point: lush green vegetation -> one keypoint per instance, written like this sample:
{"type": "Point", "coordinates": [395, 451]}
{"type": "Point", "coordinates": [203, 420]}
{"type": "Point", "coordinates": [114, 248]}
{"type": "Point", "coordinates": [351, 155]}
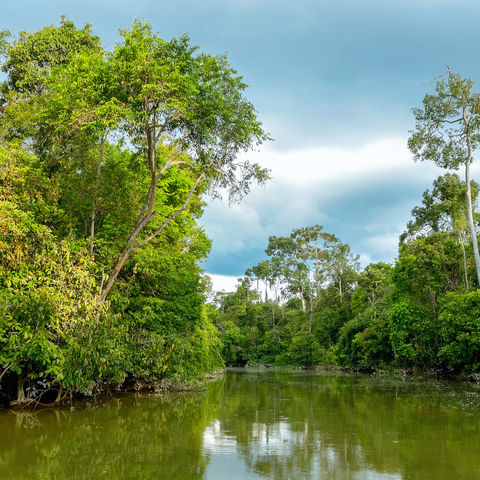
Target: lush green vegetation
{"type": "Point", "coordinates": [422, 312]}
{"type": "Point", "coordinates": [104, 157]}
{"type": "Point", "coordinates": [310, 303]}
{"type": "Point", "coordinates": [104, 160]}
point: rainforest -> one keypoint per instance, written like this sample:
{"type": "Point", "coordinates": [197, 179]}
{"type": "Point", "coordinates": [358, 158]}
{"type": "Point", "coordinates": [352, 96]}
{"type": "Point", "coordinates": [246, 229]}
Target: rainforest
{"type": "Point", "coordinates": [107, 160]}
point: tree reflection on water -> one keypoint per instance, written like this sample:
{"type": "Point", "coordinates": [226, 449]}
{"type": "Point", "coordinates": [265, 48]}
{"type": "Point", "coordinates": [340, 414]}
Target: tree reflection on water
{"type": "Point", "coordinates": [269, 424]}
{"type": "Point", "coordinates": [299, 425]}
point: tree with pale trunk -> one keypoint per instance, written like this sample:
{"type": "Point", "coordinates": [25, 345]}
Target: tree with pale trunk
{"type": "Point", "coordinates": [443, 209]}
{"type": "Point", "coordinates": [447, 132]}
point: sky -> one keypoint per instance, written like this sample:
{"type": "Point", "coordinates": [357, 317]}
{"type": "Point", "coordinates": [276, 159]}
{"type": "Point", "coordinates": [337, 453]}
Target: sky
{"type": "Point", "coordinates": [333, 82]}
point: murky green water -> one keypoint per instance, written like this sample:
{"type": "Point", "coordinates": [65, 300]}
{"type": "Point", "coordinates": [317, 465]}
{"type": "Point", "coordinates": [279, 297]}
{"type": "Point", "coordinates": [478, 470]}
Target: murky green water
{"type": "Point", "coordinates": [252, 425]}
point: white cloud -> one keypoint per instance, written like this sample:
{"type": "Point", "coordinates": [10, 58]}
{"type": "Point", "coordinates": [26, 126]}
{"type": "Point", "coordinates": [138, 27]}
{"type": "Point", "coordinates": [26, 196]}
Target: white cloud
{"type": "Point", "coordinates": [364, 195]}
{"type": "Point", "coordinates": [227, 283]}
{"type": "Point", "coordinates": [384, 245]}
{"type": "Point", "coordinates": [365, 259]}
{"type": "Point", "coordinates": [329, 164]}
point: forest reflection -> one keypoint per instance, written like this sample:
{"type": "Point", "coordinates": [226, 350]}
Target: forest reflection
{"type": "Point", "coordinates": [300, 425]}
{"type": "Point", "coordinates": [256, 424]}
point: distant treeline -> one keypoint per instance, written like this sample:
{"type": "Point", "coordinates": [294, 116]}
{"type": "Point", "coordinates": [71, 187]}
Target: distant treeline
{"type": "Point", "coordinates": [311, 304]}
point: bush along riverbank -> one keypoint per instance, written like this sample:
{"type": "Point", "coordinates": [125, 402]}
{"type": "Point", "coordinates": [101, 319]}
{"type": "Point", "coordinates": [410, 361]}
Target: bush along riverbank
{"type": "Point", "coordinates": [182, 364]}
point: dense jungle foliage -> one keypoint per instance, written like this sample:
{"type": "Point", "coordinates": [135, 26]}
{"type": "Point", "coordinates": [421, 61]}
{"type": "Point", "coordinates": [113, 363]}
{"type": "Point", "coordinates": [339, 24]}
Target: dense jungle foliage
{"type": "Point", "coordinates": [104, 157]}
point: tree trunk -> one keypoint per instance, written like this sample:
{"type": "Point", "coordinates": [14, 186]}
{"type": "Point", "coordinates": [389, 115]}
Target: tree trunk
{"type": "Point", "coordinates": [302, 296]}
{"type": "Point", "coordinates": [142, 221]}
{"type": "Point", "coordinates": [20, 390]}
{"type": "Point", "coordinates": [146, 214]}
{"type": "Point", "coordinates": [310, 317]}
{"type": "Point", "coordinates": [461, 240]}
{"type": "Point", "coordinates": [473, 233]}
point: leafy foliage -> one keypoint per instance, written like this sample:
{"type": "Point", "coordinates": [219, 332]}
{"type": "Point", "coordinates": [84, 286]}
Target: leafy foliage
{"type": "Point", "coordinates": [104, 157]}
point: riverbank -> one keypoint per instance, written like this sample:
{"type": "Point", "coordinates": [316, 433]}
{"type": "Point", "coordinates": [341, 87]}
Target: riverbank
{"type": "Point", "coordinates": [374, 371]}
{"type": "Point", "coordinates": [56, 396]}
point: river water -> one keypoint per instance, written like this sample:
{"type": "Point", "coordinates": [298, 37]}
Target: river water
{"type": "Point", "coordinates": [256, 424]}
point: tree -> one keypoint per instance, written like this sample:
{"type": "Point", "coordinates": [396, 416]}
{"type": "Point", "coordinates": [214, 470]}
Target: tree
{"type": "Point", "coordinates": [309, 260]}
{"type": "Point", "coordinates": [291, 268]}
{"type": "Point", "coordinates": [262, 273]}
{"type": "Point", "coordinates": [427, 268]}
{"type": "Point", "coordinates": [364, 339]}
{"type": "Point", "coordinates": [182, 112]}
{"type": "Point", "coordinates": [447, 132]}
{"type": "Point", "coordinates": [340, 266]}
{"type": "Point", "coordinates": [31, 56]}
{"type": "Point", "coordinates": [192, 104]}
{"type": "Point", "coordinates": [443, 210]}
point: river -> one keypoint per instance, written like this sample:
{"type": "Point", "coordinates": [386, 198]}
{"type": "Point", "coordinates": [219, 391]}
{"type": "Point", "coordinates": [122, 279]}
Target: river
{"type": "Point", "coordinates": [256, 424]}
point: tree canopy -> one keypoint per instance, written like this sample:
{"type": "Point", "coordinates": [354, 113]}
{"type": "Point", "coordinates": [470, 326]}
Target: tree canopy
{"type": "Point", "coordinates": [107, 157]}
{"type": "Point", "coordinates": [447, 132]}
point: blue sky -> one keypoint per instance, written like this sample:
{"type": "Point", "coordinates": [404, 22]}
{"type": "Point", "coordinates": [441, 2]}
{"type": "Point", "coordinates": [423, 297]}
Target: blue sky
{"type": "Point", "coordinates": [334, 83]}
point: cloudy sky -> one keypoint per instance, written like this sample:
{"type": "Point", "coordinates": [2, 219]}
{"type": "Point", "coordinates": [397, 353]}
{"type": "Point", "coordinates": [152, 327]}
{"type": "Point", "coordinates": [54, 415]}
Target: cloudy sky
{"type": "Point", "coordinates": [334, 83]}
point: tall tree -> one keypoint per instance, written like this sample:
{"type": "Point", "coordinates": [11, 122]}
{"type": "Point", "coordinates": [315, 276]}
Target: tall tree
{"type": "Point", "coordinates": [192, 104]}
{"type": "Point", "coordinates": [309, 259]}
{"type": "Point", "coordinates": [262, 273]}
{"type": "Point", "coordinates": [182, 112]}
{"type": "Point", "coordinates": [443, 209]}
{"type": "Point", "coordinates": [447, 132]}
{"type": "Point", "coordinates": [293, 270]}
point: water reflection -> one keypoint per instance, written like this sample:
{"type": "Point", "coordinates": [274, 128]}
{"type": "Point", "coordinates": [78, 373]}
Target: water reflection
{"type": "Point", "coordinates": [129, 437]}
{"type": "Point", "coordinates": [295, 425]}
{"type": "Point", "coordinates": [256, 425]}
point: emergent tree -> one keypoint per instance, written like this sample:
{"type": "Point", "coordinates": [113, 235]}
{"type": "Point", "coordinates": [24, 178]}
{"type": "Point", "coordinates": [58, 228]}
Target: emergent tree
{"type": "Point", "coordinates": [447, 131]}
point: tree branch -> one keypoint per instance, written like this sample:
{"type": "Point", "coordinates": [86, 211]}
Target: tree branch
{"type": "Point", "coordinates": [7, 368]}
{"type": "Point", "coordinates": [454, 121]}
{"type": "Point", "coordinates": [174, 214]}
{"type": "Point", "coordinates": [170, 163]}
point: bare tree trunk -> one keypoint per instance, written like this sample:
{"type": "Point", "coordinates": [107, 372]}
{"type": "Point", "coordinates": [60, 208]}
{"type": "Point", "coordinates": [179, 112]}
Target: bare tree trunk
{"type": "Point", "coordinates": [310, 317]}
{"type": "Point", "coordinates": [302, 296]}
{"type": "Point", "coordinates": [461, 239]}
{"type": "Point", "coordinates": [473, 233]}
{"type": "Point", "coordinates": [20, 390]}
